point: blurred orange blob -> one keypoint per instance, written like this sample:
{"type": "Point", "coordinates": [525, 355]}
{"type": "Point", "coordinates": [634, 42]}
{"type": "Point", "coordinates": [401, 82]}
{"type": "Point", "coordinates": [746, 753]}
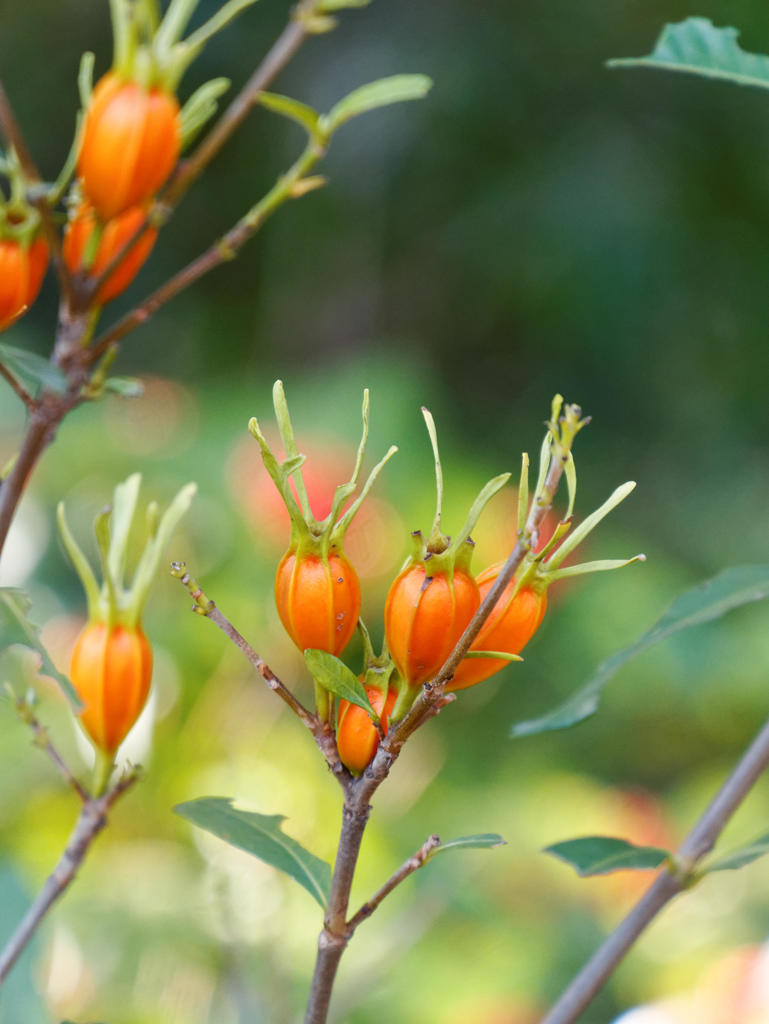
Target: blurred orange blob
{"type": "Point", "coordinates": [373, 541]}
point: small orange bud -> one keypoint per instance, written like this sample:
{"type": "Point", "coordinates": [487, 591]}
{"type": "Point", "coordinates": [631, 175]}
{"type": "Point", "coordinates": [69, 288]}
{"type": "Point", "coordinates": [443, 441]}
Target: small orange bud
{"type": "Point", "coordinates": [512, 623]}
{"type": "Point", "coordinates": [115, 235]}
{"type": "Point", "coordinates": [22, 269]}
{"type": "Point", "coordinates": [111, 671]}
{"type": "Point", "coordinates": [357, 738]}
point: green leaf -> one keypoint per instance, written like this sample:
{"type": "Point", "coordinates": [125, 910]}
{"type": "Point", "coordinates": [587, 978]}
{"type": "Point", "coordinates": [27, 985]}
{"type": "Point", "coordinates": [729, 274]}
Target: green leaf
{"type": "Point", "coordinates": [742, 856]}
{"type": "Point", "coordinates": [708, 601]}
{"type": "Point", "coordinates": [339, 5]}
{"type": "Point", "coordinates": [600, 855]}
{"type": "Point", "coordinates": [33, 369]}
{"type": "Point", "coordinates": [262, 836]}
{"type": "Point", "coordinates": [381, 93]}
{"type": "Point", "coordinates": [697, 47]}
{"type": "Point", "coordinates": [126, 387]}
{"type": "Point", "coordinates": [15, 628]}
{"type": "Point", "coordinates": [483, 841]}
{"type": "Point", "coordinates": [332, 674]}
{"type": "Point", "coordinates": [292, 109]}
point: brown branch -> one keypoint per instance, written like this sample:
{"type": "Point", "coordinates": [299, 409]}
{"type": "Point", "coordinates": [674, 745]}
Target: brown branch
{"type": "Point", "coordinates": [20, 390]}
{"type": "Point", "coordinates": [322, 735]}
{"type": "Point", "coordinates": [281, 52]}
{"type": "Point", "coordinates": [37, 196]}
{"type": "Point", "coordinates": [40, 429]}
{"type": "Point", "coordinates": [92, 819]}
{"type": "Point", "coordinates": [222, 251]}
{"type": "Point", "coordinates": [43, 740]}
{"type": "Point", "coordinates": [700, 841]}
{"type": "Point", "coordinates": [416, 861]}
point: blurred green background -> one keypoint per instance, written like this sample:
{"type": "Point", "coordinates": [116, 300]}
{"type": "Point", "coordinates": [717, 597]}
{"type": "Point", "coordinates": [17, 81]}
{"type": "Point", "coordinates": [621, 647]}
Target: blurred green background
{"type": "Point", "coordinates": [537, 224]}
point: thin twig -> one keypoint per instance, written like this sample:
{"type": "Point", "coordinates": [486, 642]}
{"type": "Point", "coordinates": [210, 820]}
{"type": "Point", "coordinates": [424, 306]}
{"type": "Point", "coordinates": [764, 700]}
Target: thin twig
{"type": "Point", "coordinates": [43, 740]}
{"type": "Point", "coordinates": [37, 197]}
{"type": "Point", "coordinates": [205, 606]}
{"type": "Point", "coordinates": [700, 841]}
{"type": "Point", "coordinates": [281, 52]}
{"type": "Point", "coordinates": [413, 864]}
{"type": "Point", "coordinates": [20, 390]}
{"type": "Point", "coordinates": [222, 251]}
{"type": "Point", "coordinates": [92, 819]}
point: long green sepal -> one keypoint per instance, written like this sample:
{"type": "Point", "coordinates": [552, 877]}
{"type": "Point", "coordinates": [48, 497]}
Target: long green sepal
{"type": "Point", "coordinates": [347, 518]}
{"type": "Point", "coordinates": [80, 562]}
{"type": "Point", "coordinates": [602, 565]}
{"type": "Point", "coordinates": [588, 525]}
{"type": "Point", "coordinates": [485, 495]}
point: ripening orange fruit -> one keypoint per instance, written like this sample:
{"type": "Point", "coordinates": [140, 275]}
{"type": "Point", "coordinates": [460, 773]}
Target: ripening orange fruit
{"type": "Point", "coordinates": [425, 615]}
{"type": "Point", "coordinates": [356, 736]}
{"type": "Point", "coordinates": [318, 600]}
{"type": "Point", "coordinates": [115, 234]}
{"type": "Point", "coordinates": [111, 671]}
{"type": "Point", "coordinates": [512, 623]}
{"type": "Point", "coordinates": [22, 269]}
{"type": "Point", "coordinates": [131, 142]}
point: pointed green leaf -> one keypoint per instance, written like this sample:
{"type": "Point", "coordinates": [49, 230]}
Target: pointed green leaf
{"type": "Point", "coordinates": [33, 369]}
{"type": "Point", "coordinates": [500, 655]}
{"type": "Point", "coordinates": [697, 47]}
{"type": "Point", "coordinates": [292, 109]}
{"type": "Point", "coordinates": [381, 93]}
{"type": "Point", "coordinates": [15, 628]}
{"type": "Point", "coordinates": [600, 855]}
{"type": "Point", "coordinates": [742, 856]}
{"type": "Point", "coordinates": [482, 841]}
{"type": "Point", "coordinates": [262, 836]}
{"type": "Point", "coordinates": [126, 387]}
{"type": "Point", "coordinates": [708, 601]}
{"type": "Point", "coordinates": [332, 674]}
{"type": "Point", "coordinates": [338, 5]}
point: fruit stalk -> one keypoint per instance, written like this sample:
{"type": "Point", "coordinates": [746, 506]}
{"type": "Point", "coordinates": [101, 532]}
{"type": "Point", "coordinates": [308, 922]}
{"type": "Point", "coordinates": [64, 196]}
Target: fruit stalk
{"type": "Point", "coordinates": [336, 931]}
{"type": "Point", "coordinates": [90, 822]}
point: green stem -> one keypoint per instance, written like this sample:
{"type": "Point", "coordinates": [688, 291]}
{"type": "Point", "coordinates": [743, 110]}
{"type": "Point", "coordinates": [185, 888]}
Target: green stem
{"type": "Point", "coordinates": [103, 769]}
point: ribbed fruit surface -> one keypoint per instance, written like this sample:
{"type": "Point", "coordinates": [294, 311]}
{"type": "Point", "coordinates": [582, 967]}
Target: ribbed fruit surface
{"type": "Point", "coordinates": [425, 616]}
{"type": "Point", "coordinates": [131, 142]}
{"type": "Point", "coordinates": [111, 671]}
{"type": "Point", "coordinates": [318, 602]}
{"type": "Point", "coordinates": [511, 625]}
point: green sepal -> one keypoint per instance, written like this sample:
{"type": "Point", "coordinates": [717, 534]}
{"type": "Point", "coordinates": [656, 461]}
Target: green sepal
{"type": "Point", "coordinates": [115, 602]}
{"type": "Point", "coordinates": [499, 655]}
{"type": "Point", "coordinates": [150, 50]}
{"type": "Point", "coordinates": [201, 107]}
{"type": "Point", "coordinates": [308, 534]}
{"type": "Point", "coordinates": [378, 669]}
{"type": "Point", "coordinates": [588, 525]}
{"type": "Point", "coordinates": [443, 553]}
